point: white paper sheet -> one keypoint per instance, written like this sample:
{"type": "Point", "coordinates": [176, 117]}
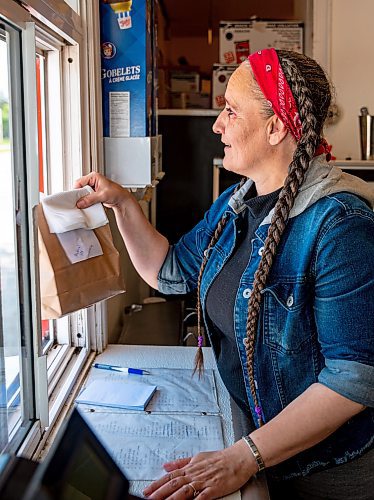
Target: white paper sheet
{"type": "Point", "coordinates": [62, 214]}
{"type": "Point", "coordinates": [177, 391]}
{"type": "Point", "coordinates": [141, 443]}
{"type": "Point", "coordinates": [80, 244]}
{"type": "Point", "coordinates": [117, 394]}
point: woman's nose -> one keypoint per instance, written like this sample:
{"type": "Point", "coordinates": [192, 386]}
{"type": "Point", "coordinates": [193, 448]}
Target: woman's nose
{"type": "Point", "coordinates": [217, 125]}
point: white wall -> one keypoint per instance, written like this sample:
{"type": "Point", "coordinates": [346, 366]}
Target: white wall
{"type": "Point", "coordinates": [351, 69]}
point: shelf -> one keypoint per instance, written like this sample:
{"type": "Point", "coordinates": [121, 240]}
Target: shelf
{"type": "Point", "coordinates": [188, 112]}
{"type": "Point", "coordinates": [355, 164]}
{"type": "Point", "coordinates": [343, 164]}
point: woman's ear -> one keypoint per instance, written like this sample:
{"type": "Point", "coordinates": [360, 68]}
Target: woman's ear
{"type": "Point", "coordinates": [276, 130]}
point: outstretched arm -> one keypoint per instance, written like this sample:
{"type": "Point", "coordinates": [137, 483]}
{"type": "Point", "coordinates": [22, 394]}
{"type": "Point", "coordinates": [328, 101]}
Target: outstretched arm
{"type": "Point", "coordinates": [147, 248]}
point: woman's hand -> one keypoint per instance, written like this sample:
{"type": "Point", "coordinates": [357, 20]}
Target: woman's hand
{"type": "Point", "coordinates": [208, 475]}
{"type": "Point", "coordinates": [146, 247]}
{"type": "Point", "coordinates": [105, 191]}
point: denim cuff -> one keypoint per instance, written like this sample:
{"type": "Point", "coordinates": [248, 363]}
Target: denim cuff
{"type": "Point", "coordinates": [351, 379]}
{"type": "Point", "coordinates": [169, 279]}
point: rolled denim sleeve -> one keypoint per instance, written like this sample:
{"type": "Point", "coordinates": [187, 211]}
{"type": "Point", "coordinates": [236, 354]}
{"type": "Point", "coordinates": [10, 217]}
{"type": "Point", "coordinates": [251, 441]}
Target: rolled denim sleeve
{"type": "Point", "coordinates": [353, 380]}
{"type": "Point", "coordinates": [180, 270]}
{"type": "Point", "coordinates": [344, 301]}
{"type": "Point", "coordinates": [174, 277]}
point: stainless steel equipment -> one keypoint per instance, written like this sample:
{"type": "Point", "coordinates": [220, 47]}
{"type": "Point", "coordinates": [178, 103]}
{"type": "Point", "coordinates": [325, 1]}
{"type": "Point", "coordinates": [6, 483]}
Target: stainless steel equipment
{"type": "Point", "coordinates": [366, 134]}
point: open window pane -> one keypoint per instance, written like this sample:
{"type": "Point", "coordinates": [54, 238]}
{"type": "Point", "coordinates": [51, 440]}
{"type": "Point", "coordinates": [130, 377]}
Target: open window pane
{"type": "Point", "coordinates": [11, 272]}
{"type": "Point", "coordinates": [57, 74]}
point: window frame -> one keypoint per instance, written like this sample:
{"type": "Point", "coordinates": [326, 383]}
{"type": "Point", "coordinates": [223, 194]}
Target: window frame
{"type": "Point", "coordinates": [69, 365]}
{"type": "Point", "coordinates": [20, 31]}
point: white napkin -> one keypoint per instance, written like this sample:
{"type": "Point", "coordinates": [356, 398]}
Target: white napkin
{"type": "Point", "coordinates": [62, 214]}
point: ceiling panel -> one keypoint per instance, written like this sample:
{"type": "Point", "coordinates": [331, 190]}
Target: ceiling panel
{"type": "Point", "coordinates": [186, 18]}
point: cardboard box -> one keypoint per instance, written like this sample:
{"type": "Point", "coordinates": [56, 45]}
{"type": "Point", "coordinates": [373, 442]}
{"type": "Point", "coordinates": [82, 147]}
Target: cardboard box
{"type": "Point", "coordinates": [206, 85]}
{"type": "Point", "coordinates": [220, 77]}
{"type": "Point", "coordinates": [184, 82]}
{"type": "Point", "coordinates": [128, 71]}
{"type": "Point", "coordinates": [190, 100]}
{"type": "Point", "coordinates": [239, 39]}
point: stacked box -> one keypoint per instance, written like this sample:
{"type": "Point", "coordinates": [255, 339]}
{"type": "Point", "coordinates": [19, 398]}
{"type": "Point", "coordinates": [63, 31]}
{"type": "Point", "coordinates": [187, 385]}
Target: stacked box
{"type": "Point", "coordinates": [239, 39]}
{"type": "Point", "coordinates": [190, 100]}
{"type": "Point", "coordinates": [128, 71]}
{"type": "Point", "coordinates": [185, 90]}
{"type": "Point", "coordinates": [220, 77]}
{"type": "Point", "coordinates": [184, 82]}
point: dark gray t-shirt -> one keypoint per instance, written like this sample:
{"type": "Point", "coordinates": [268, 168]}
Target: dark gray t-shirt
{"type": "Point", "coordinates": [222, 293]}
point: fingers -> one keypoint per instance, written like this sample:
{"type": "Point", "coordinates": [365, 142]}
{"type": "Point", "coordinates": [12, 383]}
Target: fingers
{"type": "Point", "coordinates": [205, 476]}
{"type": "Point", "coordinates": [89, 179]}
{"type": "Point", "coordinates": [196, 488]}
{"type": "Point", "coordinates": [105, 191]}
{"type": "Point", "coordinates": [178, 488]}
{"type": "Point", "coordinates": [176, 464]}
{"type": "Point", "coordinates": [174, 480]}
{"type": "Point", "coordinates": [97, 182]}
{"type": "Point", "coordinates": [88, 200]}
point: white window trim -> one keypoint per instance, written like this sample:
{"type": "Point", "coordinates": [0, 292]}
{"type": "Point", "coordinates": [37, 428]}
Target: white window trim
{"type": "Point", "coordinates": [58, 359]}
{"type": "Point", "coordinates": [66, 384]}
{"type": "Point", "coordinates": [72, 109]}
{"type": "Point", "coordinates": [28, 47]}
{"type": "Point", "coordinates": [97, 326]}
{"type": "Point", "coordinates": [30, 444]}
{"type": "Point", "coordinates": [50, 46]}
{"type": "Point", "coordinates": [73, 382]}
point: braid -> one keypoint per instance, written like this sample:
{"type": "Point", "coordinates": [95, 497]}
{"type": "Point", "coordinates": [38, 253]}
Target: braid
{"type": "Point", "coordinates": [304, 152]}
{"type": "Point", "coordinates": [199, 358]}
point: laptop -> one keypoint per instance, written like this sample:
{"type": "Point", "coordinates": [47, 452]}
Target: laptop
{"type": "Point", "coordinates": [77, 467]}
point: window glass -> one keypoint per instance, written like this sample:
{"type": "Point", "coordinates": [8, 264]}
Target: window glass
{"type": "Point", "coordinates": [10, 313]}
{"type": "Point", "coordinates": [40, 80]}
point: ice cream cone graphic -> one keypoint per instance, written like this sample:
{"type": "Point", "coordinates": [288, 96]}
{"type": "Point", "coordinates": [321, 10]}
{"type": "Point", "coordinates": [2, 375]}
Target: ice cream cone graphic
{"type": "Point", "coordinates": [122, 9]}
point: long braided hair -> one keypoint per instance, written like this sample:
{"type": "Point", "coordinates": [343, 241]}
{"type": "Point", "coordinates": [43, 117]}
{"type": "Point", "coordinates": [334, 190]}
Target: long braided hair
{"type": "Point", "coordinates": [311, 90]}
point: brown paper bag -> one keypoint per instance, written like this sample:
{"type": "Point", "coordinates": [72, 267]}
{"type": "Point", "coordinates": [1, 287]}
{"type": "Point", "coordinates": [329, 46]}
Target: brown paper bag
{"type": "Point", "coordinates": [66, 287]}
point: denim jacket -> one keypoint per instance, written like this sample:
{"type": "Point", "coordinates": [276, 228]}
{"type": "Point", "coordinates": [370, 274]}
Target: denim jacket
{"type": "Point", "coordinates": [316, 320]}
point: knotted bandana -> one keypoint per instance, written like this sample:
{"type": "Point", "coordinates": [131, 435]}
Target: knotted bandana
{"type": "Point", "coordinates": [273, 84]}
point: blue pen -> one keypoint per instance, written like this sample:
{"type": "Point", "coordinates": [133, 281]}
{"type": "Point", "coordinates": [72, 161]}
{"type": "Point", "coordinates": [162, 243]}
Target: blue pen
{"type": "Point", "coordinates": [114, 368]}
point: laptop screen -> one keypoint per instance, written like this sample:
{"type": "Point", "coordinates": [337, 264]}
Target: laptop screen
{"type": "Point", "coordinates": [78, 467]}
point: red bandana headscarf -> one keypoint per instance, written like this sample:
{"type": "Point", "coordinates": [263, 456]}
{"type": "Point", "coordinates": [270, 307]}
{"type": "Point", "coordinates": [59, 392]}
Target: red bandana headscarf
{"type": "Point", "coordinates": [271, 80]}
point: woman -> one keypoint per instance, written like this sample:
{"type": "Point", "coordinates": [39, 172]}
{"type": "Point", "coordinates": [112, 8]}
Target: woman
{"type": "Point", "coordinates": [284, 269]}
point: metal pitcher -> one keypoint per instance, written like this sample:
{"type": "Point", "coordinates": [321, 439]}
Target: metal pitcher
{"type": "Point", "coordinates": [366, 134]}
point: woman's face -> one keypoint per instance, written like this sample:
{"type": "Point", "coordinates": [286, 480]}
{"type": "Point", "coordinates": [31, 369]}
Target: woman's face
{"type": "Point", "coordinates": [242, 127]}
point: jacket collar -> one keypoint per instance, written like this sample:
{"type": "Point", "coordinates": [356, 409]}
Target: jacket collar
{"type": "Point", "coordinates": [322, 179]}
